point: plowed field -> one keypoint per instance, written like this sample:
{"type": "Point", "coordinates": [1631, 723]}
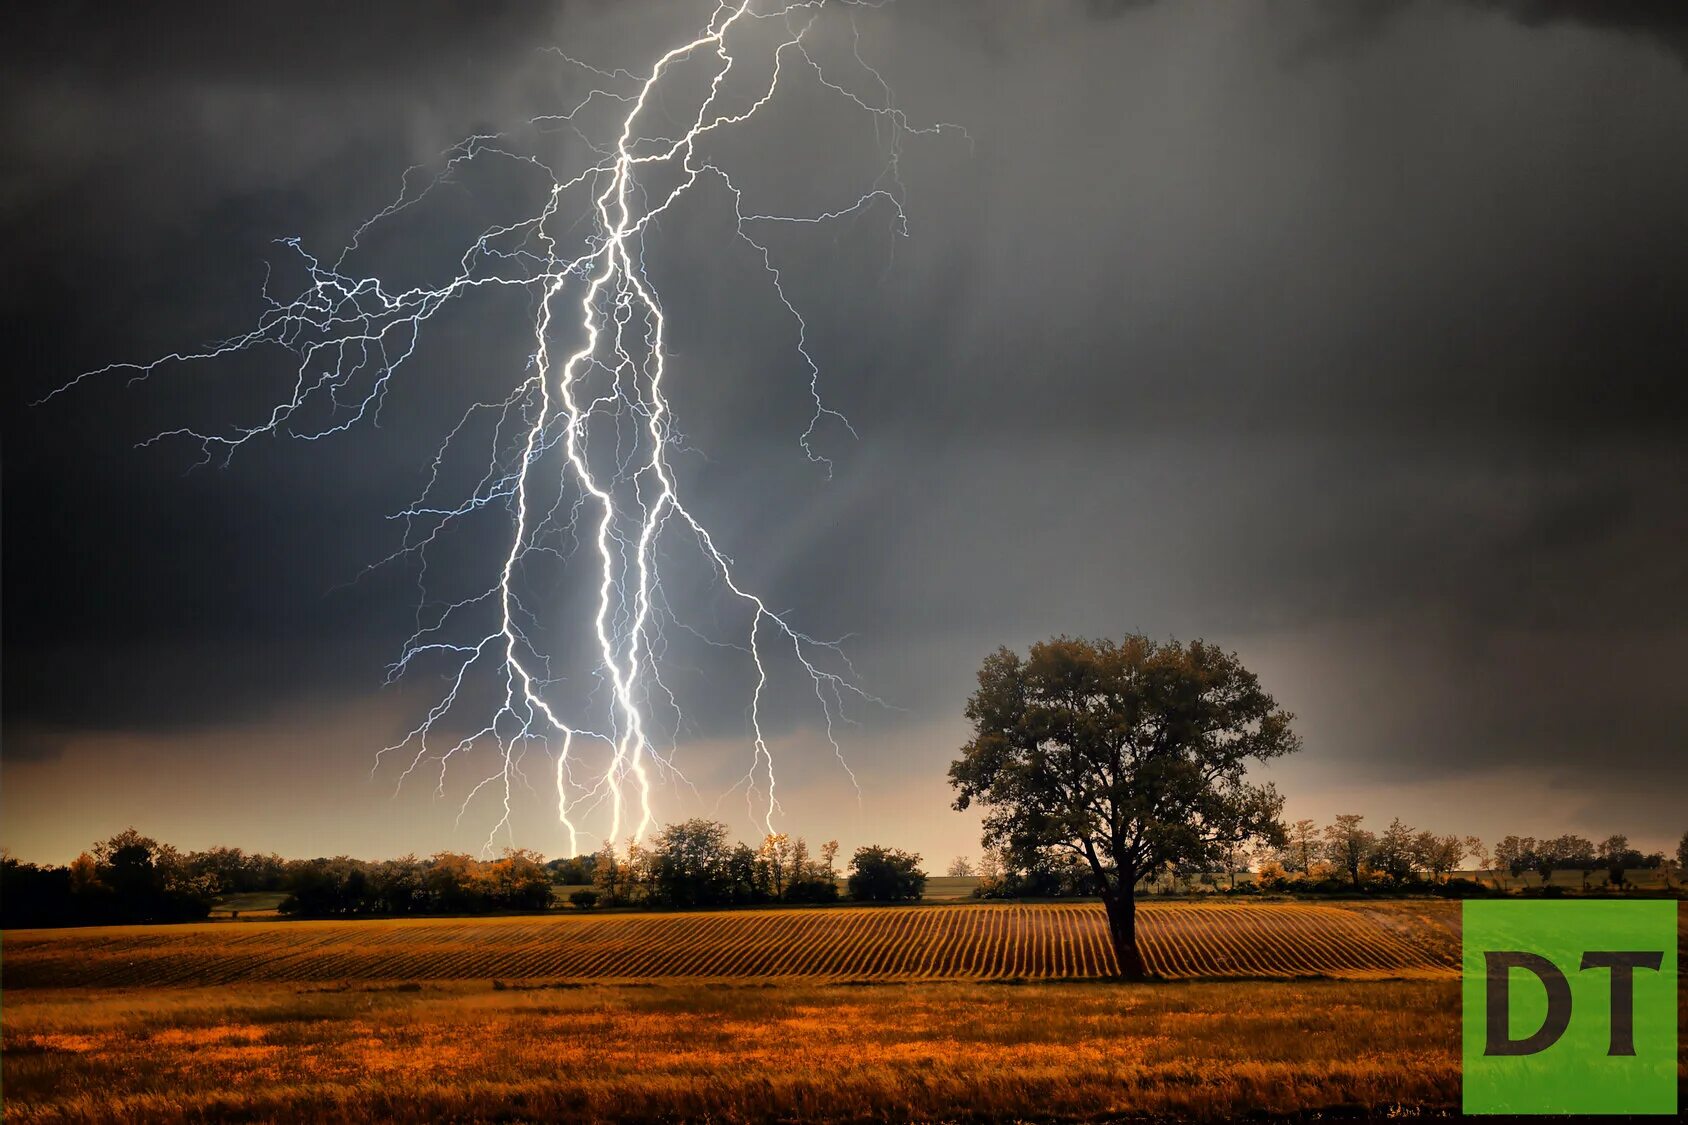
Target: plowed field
{"type": "Point", "coordinates": [965, 942]}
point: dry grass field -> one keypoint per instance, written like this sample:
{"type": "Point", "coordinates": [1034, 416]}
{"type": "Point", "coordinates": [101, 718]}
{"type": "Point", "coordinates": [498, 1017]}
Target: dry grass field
{"type": "Point", "coordinates": [729, 1053]}
{"type": "Point", "coordinates": [1360, 941]}
{"type": "Point", "coordinates": [976, 1011]}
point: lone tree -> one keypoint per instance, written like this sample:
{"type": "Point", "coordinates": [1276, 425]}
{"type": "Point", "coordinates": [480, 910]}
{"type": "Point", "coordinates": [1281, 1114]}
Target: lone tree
{"type": "Point", "coordinates": [1129, 755]}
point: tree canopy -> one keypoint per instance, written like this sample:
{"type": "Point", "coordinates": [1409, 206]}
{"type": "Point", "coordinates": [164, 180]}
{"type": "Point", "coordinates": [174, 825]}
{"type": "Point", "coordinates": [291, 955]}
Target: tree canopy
{"type": "Point", "coordinates": [886, 875]}
{"type": "Point", "coordinates": [1128, 754]}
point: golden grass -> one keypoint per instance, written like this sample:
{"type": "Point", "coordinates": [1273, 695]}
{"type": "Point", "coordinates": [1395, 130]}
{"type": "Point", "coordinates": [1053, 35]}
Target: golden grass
{"type": "Point", "coordinates": [1358, 941]}
{"type": "Point", "coordinates": [819, 1052]}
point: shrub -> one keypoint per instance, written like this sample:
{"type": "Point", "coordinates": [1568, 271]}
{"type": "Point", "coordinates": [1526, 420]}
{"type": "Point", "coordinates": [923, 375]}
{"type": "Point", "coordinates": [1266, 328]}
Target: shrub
{"type": "Point", "coordinates": [584, 900]}
{"type": "Point", "coordinates": [1272, 876]}
{"type": "Point", "coordinates": [1549, 891]}
{"type": "Point", "coordinates": [812, 890]}
{"type": "Point", "coordinates": [886, 875]}
{"type": "Point", "coordinates": [577, 871]}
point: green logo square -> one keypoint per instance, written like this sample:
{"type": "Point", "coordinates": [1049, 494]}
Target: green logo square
{"type": "Point", "coordinates": [1570, 1007]}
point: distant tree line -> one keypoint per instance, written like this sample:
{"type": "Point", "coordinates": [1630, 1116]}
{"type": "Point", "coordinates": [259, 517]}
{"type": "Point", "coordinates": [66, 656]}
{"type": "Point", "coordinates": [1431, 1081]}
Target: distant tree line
{"type": "Point", "coordinates": [128, 878]}
{"type": "Point", "coordinates": [1345, 857]}
{"type": "Point", "coordinates": [444, 883]}
{"type": "Point", "coordinates": [693, 864]}
{"type": "Point", "coordinates": [1516, 856]}
{"type": "Point", "coordinates": [134, 878]}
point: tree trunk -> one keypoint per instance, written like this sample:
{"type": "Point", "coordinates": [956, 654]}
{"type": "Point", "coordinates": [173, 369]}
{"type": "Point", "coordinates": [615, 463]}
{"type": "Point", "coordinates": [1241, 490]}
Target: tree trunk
{"type": "Point", "coordinates": [1122, 929]}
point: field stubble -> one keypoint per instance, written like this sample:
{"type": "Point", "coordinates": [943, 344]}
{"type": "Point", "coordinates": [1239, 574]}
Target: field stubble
{"type": "Point", "coordinates": [745, 1016]}
{"type": "Point", "coordinates": [792, 1051]}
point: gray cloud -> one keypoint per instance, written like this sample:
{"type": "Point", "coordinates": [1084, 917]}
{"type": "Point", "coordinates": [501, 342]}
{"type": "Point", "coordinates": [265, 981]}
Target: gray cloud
{"type": "Point", "coordinates": [1348, 335]}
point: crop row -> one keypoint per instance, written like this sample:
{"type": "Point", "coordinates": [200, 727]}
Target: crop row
{"type": "Point", "coordinates": [976, 942]}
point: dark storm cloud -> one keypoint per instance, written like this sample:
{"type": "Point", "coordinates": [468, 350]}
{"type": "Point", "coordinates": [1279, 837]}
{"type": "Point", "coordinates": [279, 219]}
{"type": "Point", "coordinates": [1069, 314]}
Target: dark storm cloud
{"type": "Point", "coordinates": [1346, 334]}
{"type": "Point", "coordinates": [1663, 20]}
{"type": "Point", "coordinates": [1345, 25]}
{"type": "Point", "coordinates": [154, 148]}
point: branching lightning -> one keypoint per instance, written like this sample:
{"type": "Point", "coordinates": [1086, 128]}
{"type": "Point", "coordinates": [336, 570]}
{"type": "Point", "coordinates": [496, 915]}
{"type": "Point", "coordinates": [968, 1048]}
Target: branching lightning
{"type": "Point", "coordinates": [592, 404]}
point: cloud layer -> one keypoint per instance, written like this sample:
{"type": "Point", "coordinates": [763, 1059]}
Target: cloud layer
{"type": "Point", "coordinates": [1351, 343]}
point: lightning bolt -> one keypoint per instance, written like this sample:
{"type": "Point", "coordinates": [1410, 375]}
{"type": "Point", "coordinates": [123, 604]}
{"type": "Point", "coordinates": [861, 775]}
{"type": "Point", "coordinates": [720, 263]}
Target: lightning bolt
{"type": "Point", "coordinates": [592, 402]}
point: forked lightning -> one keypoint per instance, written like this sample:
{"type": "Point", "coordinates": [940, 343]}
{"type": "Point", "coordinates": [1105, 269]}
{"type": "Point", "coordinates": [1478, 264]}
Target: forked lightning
{"type": "Point", "coordinates": [591, 404]}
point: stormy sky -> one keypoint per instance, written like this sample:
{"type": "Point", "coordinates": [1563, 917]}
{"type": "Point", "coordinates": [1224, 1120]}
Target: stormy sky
{"type": "Point", "coordinates": [1349, 336]}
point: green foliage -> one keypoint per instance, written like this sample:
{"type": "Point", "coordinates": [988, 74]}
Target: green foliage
{"type": "Point", "coordinates": [1127, 755]}
{"type": "Point", "coordinates": [233, 871]}
{"type": "Point", "coordinates": [690, 865]}
{"type": "Point", "coordinates": [572, 872]}
{"type": "Point", "coordinates": [812, 890]}
{"type": "Point", "coordinates": [886, 875]}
